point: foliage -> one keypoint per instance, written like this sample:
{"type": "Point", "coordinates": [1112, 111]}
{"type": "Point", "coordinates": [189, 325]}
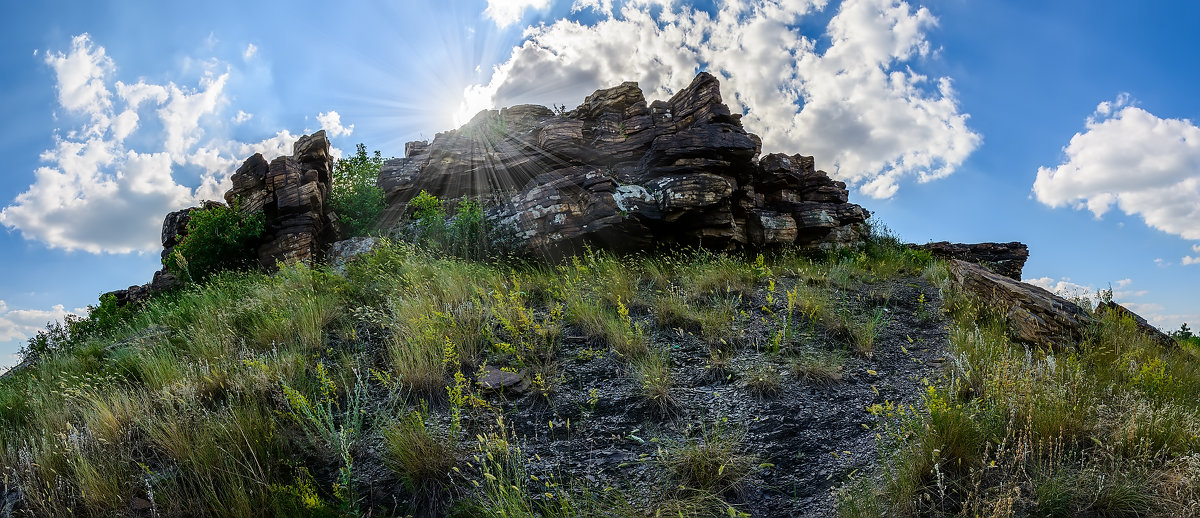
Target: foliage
{"type": "Point", "coordinates": [218, 238]}
{"type": "Point", "coordinates": [467, 233]}
{"type": "Point", "coordinates": [355, 197]}
{"type": "Point", "coordinates": [100, 321]}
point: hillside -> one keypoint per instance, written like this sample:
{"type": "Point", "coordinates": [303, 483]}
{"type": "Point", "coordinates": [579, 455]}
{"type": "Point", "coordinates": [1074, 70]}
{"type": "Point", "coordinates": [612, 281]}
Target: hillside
{"type": "Point", "coordinates": [658, 323]}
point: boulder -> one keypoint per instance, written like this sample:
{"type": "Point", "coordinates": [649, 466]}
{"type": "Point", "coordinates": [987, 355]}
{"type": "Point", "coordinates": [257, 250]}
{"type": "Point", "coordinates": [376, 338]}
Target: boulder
{"type": "Point", "coordinates": [1140, 323]}
{"type": "Point", "coordinates": [1035, 316]}
{"type": "Point", "coordinates": [1007, 259]}
{"type": "Point", "coordinates": [622, 174]}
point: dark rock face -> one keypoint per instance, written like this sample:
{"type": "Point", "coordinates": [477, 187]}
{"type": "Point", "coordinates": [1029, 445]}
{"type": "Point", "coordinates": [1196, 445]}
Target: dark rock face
{"type": "Point", "coordinates": [620, 174]}
{"type": "Point", "coordinates": [1035, 315]}
{"type": "Point", "coordinates": [293, 193]}
{"type": "Point", "coordinates": [1142, 325]}
{"type": "Point", "coordinates": [1007, 259]}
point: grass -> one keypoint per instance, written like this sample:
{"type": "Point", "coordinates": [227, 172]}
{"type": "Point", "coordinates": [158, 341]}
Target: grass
{"type": "Point", "coordinates": [713, 459]}
{"type": "Point", "coordinates": [312, 392]}
{"type": "Point", "coordinates": [1105, 429]}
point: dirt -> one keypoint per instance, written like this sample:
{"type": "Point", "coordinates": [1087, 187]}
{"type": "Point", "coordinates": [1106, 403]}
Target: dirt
{"type": "Point", "coordinates": [807, 438]}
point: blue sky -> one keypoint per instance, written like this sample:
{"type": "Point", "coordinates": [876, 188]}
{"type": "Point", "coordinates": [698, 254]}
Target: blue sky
{"type": "Point", "coordinates": [1065, 125]}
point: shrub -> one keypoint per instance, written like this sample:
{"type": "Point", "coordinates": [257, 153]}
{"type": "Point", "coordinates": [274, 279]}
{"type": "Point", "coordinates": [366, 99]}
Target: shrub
{"type": "Point", "coordinates": [74, 329]}
{"type": "Point", "coordinates": [467, 234]}
{"type": "Point", "coordinates": [355, 197]}
{"type": "Point", "coordinates": [218, 238]}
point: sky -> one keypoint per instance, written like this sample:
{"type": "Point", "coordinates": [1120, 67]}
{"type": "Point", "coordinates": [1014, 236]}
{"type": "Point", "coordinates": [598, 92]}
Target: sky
{"type": "Point", "coordinates": [1065, 125]}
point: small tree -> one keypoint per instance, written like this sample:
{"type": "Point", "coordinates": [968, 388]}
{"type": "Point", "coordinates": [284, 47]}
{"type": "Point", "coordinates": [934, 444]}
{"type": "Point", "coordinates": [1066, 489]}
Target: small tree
{"type": "Point", "coordinates": [218, 238]}
{"type": "Point", "coordinates": [355, 197]}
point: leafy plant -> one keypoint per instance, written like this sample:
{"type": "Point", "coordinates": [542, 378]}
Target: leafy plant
{"type": "Point", "coordinates": [355, 197]}
{"type": "Point", "coordinates": [219, 237]}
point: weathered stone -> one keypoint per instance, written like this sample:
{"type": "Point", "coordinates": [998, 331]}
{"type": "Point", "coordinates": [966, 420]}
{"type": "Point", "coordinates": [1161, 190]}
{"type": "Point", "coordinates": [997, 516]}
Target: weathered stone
{"type": "Point", "coordinates": [1140, 323]}
{"type": "Point", "coordinates": [618, 173]}
{"type": "Point", "coordinates": [1035, 315]}
{"type": "Point", "coordinates": [491, 378]}
{"type": "Point", "coordinates": [1007, 259]}
{"type": "Point", "coordinates": [343, 251]}
{"type": "Point", "coordinates": [292, 193]}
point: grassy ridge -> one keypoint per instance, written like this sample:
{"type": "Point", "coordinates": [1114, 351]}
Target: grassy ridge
{"type": "Point", "coordinates": [287, 394]}
{"type": "Point", "coordinates": [1108, 428]}
{"type": "Point", "coordinates": [313, 392]}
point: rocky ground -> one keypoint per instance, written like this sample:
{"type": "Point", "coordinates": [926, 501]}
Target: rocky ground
{"type": "Point", "coordinates": [802, 439]}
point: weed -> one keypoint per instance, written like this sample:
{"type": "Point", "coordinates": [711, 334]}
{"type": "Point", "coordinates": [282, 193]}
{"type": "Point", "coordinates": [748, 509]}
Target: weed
{"type": "Point", "coordinates": [712, 460]}
{"type": "Point", "coordinates": [821, 367]}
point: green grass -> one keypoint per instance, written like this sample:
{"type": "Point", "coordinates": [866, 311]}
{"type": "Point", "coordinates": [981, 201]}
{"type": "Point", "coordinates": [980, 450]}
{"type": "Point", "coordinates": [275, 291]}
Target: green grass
{"type": "Point", "coordinates": [304, 392]}
{"type": "Point", "coordinates": [1105, 429]}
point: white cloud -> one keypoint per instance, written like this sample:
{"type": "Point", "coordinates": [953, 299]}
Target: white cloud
{"type": "Point", "coordinates": [21, 324]}
{"type": "Point", "coordinates": [331, 121]}
{"type": "Point", "coordinates": [241, 117]}
{"type": "Point", "coordinates": [1188, 260]}
{"type": "Point", "coordinates": [508, 12]}
{"type": "Point", "coordinates": [1066, 288]}
{"type": "Point", "coordinates": [81, 76]}
{"type": "Point", "coordinates": [858, 105]}
{"type": "Point", "coordinates": [250, 51]}
{"type": "Point", "coordinates": [94, 192]}
{"type": "Point", "coordinates": [1145, 165]}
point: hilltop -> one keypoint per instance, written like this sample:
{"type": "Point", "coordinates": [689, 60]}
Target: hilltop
{"type": "Point", "coordinates": [617, 310]}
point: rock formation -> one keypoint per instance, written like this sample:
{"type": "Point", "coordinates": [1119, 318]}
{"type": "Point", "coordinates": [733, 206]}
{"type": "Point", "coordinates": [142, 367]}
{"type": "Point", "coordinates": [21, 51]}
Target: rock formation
{"type": "Point", "coordinates": [1007, 259]}
{"type": "Point", "coordinates": [618, 173]}
{"type": "Point", "coordinates": [291, 191]}
{"type": "Point", "coordinates": [1159, 337]}
{"type": "Point", "coordinates": [1035, 315]}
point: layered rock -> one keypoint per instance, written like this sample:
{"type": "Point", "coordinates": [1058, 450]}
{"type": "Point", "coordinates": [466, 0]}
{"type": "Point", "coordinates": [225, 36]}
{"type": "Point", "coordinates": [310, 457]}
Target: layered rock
{"type": "Point", "coordinates": [1144, 327]}
{"type": "Point", "coordinates": [619, 173]}
{"type": "Point", "coordinates": [1007, 259]}
{"type": "Point", "coordinates": [1035, 316]}
{"type": "Point", "coordinates": [293, 193]}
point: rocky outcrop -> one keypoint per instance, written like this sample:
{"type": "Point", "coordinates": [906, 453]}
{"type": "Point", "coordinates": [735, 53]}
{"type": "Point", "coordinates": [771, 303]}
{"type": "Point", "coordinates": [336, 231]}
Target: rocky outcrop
{"type": "Point", "coordinates": [1140, 323]}
{"type": "Point", "coordinates": [293, 193]}
{"type": "Point", "coordinates": [622, 174]}
{"type": "Point", "coordinates": [1007, 259]}
{"type": "Point", "coordinates": [1035, 316]}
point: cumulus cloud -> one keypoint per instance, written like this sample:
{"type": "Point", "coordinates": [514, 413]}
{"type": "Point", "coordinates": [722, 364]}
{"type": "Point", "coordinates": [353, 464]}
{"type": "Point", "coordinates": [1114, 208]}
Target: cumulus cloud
{"type": "Point", "coordinates": [331, 122]}
{"type": "Point", "coordinates": [98, 194]}
{"type": "Point", "coordinates": [1145, 165]}
{"type": "Point", "coordinates": [250, 51]}
{"type": "Point", "coordinates": [857, 103]}
{"type": "Point", "coordinates": [508, 12]}
{"type": "Point", "coordinates": [241, 117]}
{"type": "Point", "coordinates": [1188, 260]}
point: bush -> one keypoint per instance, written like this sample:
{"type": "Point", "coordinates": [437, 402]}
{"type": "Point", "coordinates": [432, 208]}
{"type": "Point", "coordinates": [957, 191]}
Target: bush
{"type": "Point", "coordinates": [75, 329]}
{"type": "Point", "coordinates": [467, 234]}
{"type": "Point", "coordinates": [218, 238]}
{"type": "Point", "coordinates": [355, 197]}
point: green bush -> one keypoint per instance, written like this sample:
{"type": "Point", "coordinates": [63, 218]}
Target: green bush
{"type": "Point", "coordinates": [74, 329]}
{"type": "Point", "coordinates": [467, 234]}
{"type": "Point", "coordinates": [355, 197]}
{"type": "Point", "coordinates": [218, 238]}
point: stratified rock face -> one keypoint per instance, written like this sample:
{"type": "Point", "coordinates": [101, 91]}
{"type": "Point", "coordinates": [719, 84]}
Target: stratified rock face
{"type": "Point", "coordinates": [1007, 259]}
{"type": "Point", "coordinates": [1159, 337]}
{"type": "Point", "coordinates": [1035, 315]}
{"type": "Point", "coordinates": [620, 174]}
{"type": "Point", "coordinates": [292, 192]}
